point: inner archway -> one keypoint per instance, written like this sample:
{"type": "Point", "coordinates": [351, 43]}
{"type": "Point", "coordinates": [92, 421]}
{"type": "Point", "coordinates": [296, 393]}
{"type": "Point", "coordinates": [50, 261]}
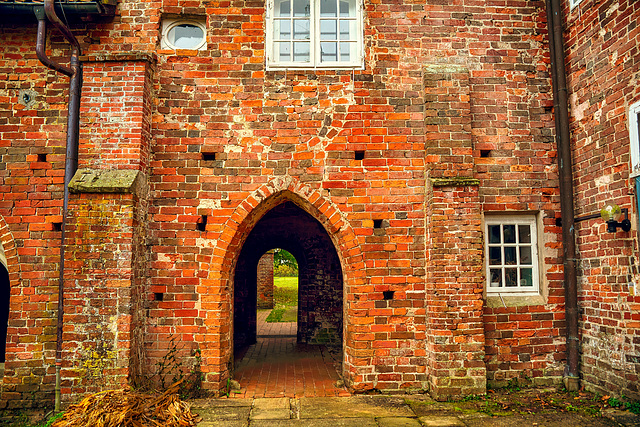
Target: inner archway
{"type": "Point", "coordinates": [320, 287]}
{"type": "Point", "coordinates": [5, 293]}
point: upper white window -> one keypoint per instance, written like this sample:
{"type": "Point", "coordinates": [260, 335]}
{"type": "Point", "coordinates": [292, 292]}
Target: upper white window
{"type": "Point", "coordinates": [314, 34]}
{"type": "Point", "coordinates": [183, 34]}
{"type": "Point", "coordinates": [511, 254]}
{"type": "Point", "coordinates": [574, 3]}
{"type": "Point", "coordinates": [634, 137]}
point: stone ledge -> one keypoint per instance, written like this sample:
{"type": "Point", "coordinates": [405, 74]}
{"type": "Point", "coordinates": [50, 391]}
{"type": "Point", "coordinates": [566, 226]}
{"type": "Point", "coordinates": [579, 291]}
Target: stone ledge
{"type": "Point", "coordinates": [105, 181]}
{"type": "Point", "coordinates": [120, 57]}
{"type": "Point", "coordinates": [494, 301]}
{"type": "Point", "coordinates": [454, 182]}
{"type": "Point", "coordinates": [445, 68]}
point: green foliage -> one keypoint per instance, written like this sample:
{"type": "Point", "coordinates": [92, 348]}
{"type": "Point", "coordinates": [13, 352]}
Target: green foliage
{"type": "Point", "coordinates": [623, 403]}
{"type": "Point", "coordinates": [634, 406]}
{"type": "Point", "coordinates": [472, 397]}
{"type": "Point", "coordinates": [284, 264]}
{"type": "Point", "coordinates": [53, 419]}
{"type": "Point", "coordinates": [284, 271]}
{"type": "Point", "coordinates": [615, 402]}
{"type": "Point", "coordinates": [22, 420]}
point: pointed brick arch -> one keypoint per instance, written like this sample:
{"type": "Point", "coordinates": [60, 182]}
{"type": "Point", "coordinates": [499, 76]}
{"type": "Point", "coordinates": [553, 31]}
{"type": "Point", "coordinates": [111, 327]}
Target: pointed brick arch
{"type": "Point", "coordinates": [9, 261]}
{"type": "Point", "coordinates": [217, 289]}
{"type": "Point", "coordinates": [10, 258]}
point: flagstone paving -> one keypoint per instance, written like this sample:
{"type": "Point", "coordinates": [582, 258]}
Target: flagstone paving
{"type": "Point", "coordinates": [380, 411]}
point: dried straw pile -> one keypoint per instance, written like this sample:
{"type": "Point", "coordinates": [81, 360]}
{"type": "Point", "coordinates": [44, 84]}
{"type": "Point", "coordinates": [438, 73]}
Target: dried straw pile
{"type": "Point", "coordinates": [128, 408]}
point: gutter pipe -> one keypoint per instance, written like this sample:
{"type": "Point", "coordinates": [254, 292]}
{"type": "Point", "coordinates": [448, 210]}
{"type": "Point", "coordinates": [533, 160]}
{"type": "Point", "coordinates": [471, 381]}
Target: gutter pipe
{"type": "Point", "coordinates": [74, 71]}
{"type": "Point", "coordinates": [87, 8]}
{"type": "Point", "coordinates": [563, 138]}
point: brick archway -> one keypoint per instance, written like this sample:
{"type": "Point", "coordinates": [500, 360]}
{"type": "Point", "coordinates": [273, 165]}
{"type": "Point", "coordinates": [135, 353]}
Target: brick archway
{"type": "Point", "coordinates": [217, 289]}
{"type": "Point", "coordinates": [8, 278]}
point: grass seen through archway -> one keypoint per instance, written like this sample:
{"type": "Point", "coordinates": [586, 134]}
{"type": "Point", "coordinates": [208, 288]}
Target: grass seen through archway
{"type": "Point", "coordinates": [285, 299]}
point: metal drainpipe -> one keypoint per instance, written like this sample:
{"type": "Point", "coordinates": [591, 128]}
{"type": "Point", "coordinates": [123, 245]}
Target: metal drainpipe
{"type": "Point", "coordinates": [74, 71]}
{"type": "Point", "coordinates": [561, 109]}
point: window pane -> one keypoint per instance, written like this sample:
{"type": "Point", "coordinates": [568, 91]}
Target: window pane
{"type": "Point", "coordinates": [524, 233]}
{"type": "Point", "coordinates": [328, 29]}
{"type": "Point", "coordinates": [347, 30]}
{"type": "Point", "coordinates": [496, 278]}
{"type": "Point", "coordinates": [301, 29]}
{"type": "Point", "coordinates": [494, 234]}
{"type": "Point", "coordinates": [301, 8]}
{"type": "Point", "coordinates": [347, 8]}
{"type": "Point", "coordinates": [328, 8]}
{"type": "Point", "coordinates": [509, 233]}
{"type": "Point", "coordinates": [495, 256]}
{"type": "Point", "coordinates": [283, 51]}
{"type": "Point", "coordinates": [301, 52]}
{"type": "Point", "coordinates": [510, 256]}
{"type": "Point", "coordinates": [283, 8]}
{"type": "Point", "coordinates": [347, 51]}
{"type": "Point", "coordinates": [282, 29]}
{"type": "Point", "coordinates": [511, 277]}
{"type": "Point", "coordinates": [525, 255]}
{"type": "Point", "coordinates": [186, 36]}
{"type": "Point", "coordinates": [328, 51]}
{"type": "Point", "coordinates": [526, 277]}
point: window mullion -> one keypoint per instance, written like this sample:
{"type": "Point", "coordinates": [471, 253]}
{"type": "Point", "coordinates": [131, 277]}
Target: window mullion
{"type": "Point", "coordinates": [314, 43]}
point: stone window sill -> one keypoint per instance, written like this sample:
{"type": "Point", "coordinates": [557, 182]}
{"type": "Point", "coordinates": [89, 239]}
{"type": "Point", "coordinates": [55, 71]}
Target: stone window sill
{"type": "Point", "coordinates": [495, 301]}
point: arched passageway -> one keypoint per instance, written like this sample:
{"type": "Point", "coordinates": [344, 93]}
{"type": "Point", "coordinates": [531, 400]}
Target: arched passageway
{"type": "Point", "coordinates": [320, 285]}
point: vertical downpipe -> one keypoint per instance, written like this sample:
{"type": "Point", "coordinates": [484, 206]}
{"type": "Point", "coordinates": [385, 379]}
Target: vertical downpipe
{"type": "Point", "coordinates": [74, 71]}
{"type": "Point", "coordinates": [563, 138]}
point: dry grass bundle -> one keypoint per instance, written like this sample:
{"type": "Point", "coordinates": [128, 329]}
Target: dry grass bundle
{"type": "Point", "coordinates": [128, 408]}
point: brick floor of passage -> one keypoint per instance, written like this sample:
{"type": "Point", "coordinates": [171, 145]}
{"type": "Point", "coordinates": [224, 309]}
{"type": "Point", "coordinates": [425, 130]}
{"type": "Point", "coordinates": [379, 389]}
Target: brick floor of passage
{"type": "Point", "coordinates": [277, 366]}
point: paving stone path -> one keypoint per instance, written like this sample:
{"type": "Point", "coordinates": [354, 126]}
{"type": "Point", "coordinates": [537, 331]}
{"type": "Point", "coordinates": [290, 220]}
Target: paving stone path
{"type": "Point", "coordinates": [378, 411]}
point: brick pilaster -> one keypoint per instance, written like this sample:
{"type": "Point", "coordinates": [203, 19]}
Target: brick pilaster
{"type": "Point", "coordinates": [455, 336]}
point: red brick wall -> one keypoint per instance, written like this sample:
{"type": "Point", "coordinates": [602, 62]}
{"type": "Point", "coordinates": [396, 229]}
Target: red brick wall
{"type": "Point", "coordinates": [31, 175]}
{"type": "Point", "coordinates": [603, 67]}
{"type": "Point", "coordinates": [290, 136]}
{"type": "Point", "coordinates": [265, 281]}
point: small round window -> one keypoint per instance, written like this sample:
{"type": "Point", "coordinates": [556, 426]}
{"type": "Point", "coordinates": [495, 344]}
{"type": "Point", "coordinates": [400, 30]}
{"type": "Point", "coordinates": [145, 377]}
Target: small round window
{"type": "Point", "coordinates": [184, 35]}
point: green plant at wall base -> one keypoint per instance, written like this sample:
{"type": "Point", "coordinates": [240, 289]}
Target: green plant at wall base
{"type": "Point", "coordinates": [53, 419]}
{"type": "Point", "coordinates": [623, 403]}
{"type": "Point", "coordinates": [615, 402]}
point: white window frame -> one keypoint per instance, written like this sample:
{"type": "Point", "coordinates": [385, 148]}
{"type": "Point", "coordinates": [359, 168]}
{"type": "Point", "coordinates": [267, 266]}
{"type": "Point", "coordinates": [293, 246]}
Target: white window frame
{"type": "Point", "coordinates": [522, 219]}
{"type": "Point", "coordinates": [169, 24]}
{"type": "Point", "coordinates": [634, 138]}
{"type": "Point", "coordinates": [573, 4]}
{"type": "Point", "coordinates": [315, 62]}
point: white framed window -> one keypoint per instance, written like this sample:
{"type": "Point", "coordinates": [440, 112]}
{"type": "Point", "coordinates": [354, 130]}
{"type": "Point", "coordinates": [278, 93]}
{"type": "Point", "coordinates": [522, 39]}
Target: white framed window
{"type": "Point", "coordinates": [634, 137]}
{"type": "Point", "coordinates": [511, 254]}
{"type": "Point", "coordinates": [574, 3]}
{"type": "Point", "coordinates": [183, 34]}
{"type": "Point", "coordinates": [314, 34]}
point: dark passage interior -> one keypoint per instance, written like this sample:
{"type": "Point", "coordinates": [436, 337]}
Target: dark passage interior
{"type": "Point", "coordinates": [5, 292]}
{"type": "Point", "coordinates": [289, 227]}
